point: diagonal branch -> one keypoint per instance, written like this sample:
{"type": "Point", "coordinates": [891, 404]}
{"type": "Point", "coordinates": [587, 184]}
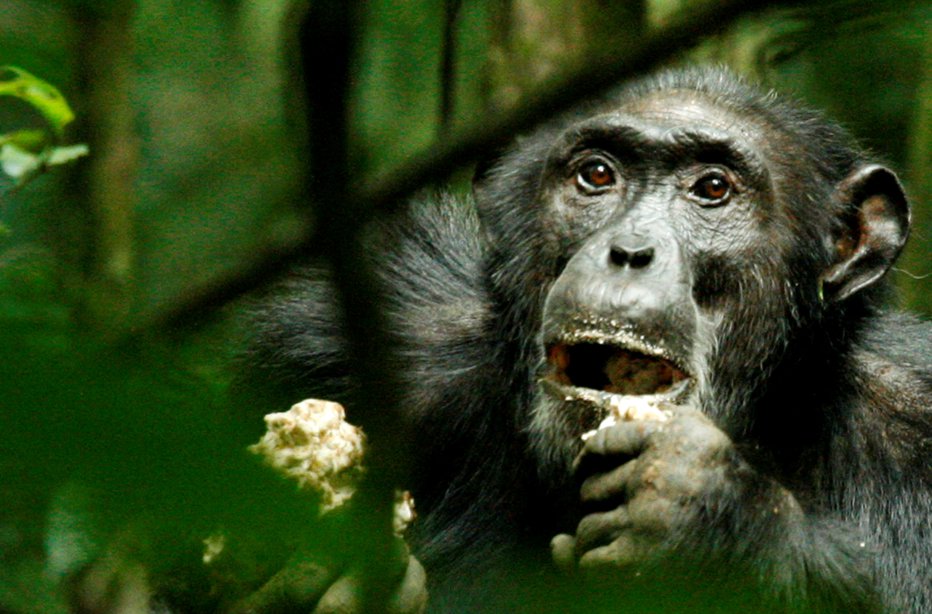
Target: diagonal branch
{"type": "Point", "coordinates": [388, 193]}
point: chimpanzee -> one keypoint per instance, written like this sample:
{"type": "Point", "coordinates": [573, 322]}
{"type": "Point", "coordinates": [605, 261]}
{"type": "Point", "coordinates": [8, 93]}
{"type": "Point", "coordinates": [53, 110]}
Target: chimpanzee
{"type": "Point", "coordinates": [689, 243]}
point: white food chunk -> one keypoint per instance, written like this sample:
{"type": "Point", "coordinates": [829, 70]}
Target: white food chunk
{"type": "Point", "coordinates": [628, 409]}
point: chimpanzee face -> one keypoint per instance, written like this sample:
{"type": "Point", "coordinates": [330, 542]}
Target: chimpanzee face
{"type": "Point", "coordinates": [638, 196]}
{"type": "Point", "coordinates": [676, 251]}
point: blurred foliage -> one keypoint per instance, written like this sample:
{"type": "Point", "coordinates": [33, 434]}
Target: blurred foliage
{"type": "Point", "coordinates": [128, 451]}
{"type": "Point", "coordinates": [43, 97]}
{"type": "Point", "coordinates": [26, 153]}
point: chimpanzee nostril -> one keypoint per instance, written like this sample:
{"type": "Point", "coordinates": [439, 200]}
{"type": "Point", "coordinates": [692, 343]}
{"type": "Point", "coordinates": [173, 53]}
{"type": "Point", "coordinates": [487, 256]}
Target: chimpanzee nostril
{"type": "Point", "coordinates": [618, 256]}
{"type": "Point", "coordinates": [634, 258]}
{"type": "Point", "coordinates": [641, 258]}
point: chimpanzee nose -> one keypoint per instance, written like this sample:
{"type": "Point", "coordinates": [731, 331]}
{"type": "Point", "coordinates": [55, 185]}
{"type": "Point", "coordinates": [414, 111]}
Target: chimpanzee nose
{"type": "Point", "coordinates": [635, 258]}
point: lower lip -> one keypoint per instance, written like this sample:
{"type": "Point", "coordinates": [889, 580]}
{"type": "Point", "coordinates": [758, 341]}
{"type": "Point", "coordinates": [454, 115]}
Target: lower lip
{"type": "Point", "coordinates": [608, 400]}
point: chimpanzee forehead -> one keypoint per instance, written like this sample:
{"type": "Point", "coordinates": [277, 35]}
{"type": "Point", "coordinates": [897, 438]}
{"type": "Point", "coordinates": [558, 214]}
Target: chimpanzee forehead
{"type": "Point", "coordinates": [672, 110]}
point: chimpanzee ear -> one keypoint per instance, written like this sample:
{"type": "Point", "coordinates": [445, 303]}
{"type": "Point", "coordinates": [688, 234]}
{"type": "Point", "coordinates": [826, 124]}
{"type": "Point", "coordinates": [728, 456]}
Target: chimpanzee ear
{"type": "Point", "coordinates": [874, 231]}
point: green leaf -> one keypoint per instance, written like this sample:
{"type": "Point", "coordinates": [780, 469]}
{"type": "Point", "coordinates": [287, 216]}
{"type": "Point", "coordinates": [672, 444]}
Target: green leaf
{"type": "Point", "coordinates": [33, 141]}
{"type": "Point", "coordinates": [46, 99]}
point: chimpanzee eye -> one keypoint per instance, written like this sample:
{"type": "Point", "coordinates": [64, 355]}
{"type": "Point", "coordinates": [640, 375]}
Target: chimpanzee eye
{"type": "Point", "coordinates": [712, 189]}
{"type": "Point", "coordinates": [595, 176]}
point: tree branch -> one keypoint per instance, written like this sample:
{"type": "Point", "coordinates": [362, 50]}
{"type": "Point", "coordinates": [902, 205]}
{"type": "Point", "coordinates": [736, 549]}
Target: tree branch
{"type": "Point", "coordinates": [388, 193]}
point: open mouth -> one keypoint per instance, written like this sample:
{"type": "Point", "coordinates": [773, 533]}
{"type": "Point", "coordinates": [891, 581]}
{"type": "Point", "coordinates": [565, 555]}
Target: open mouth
{"type": "Point", "coordinates": [599, 372]}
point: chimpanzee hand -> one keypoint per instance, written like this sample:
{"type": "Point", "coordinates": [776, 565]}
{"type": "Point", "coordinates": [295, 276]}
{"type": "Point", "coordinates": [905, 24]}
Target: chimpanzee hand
{"type": "Point", "coordinates": [662, 488]}
{"type": "Point", "coordinates": [312, 585]}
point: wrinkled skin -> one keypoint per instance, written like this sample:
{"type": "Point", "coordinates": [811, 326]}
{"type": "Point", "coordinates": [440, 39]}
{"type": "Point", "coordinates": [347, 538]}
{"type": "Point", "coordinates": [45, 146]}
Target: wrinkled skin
{"type": "Point", "coordinates": [648, 477]}
{"type": "Point", "coordinates": [692, 241]}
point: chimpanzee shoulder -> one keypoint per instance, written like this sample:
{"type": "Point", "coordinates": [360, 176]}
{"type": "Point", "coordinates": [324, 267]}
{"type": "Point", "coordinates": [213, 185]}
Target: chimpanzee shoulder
{"type": "Point", "coordinates": [892, 371]}
{"type": "Point", "coordinates": [903, 339]}
{"type": "Point", "coordinates": [429, 264]}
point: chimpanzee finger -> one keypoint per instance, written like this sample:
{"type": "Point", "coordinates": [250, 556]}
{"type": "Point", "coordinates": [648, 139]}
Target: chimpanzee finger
{"type": "Point", "coordinates": [409, 596]}
{"type": "Point", "coordinates": [608, 485]}
{"type": "Point", "coordinates": [299, 585]}
{"type": "Point", "coordinates": [343, 597]}
{"type": "Point", "coordinates": [599, 529]}
{"type": "Point", "coordinates": [621, 552]}
{"type": "Point", "coordinates": [563, 552]}
{"type": "Point", "coordinates": [622, 439]}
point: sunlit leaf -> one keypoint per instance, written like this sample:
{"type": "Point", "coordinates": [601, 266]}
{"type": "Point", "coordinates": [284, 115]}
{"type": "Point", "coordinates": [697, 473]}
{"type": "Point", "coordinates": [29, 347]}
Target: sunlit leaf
{"type": "Point", "coordinates": [65, 154]}
{"type": "Point", "coordinates": [44, 97]}
{"type": "Point", "coordinates": [19, 163]}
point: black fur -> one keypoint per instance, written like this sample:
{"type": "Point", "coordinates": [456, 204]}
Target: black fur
{"type": "Point", "coordinates": [821, 394]}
